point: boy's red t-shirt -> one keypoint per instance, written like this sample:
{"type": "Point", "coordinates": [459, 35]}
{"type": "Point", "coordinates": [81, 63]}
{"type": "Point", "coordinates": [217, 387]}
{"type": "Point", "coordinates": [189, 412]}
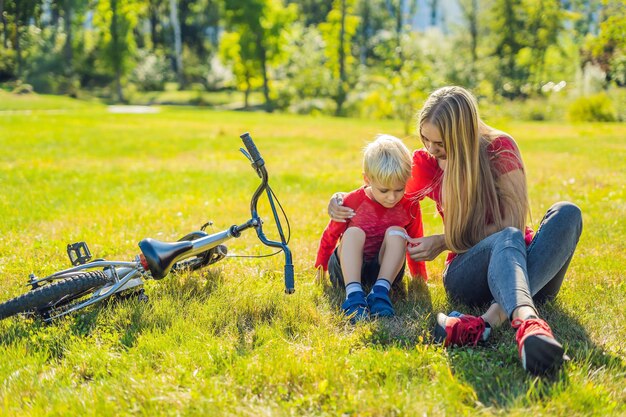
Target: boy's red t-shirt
{"type": "Point", "coordinates": [427, 177]}
{"type": "Point", "coordinates": [374, 219]}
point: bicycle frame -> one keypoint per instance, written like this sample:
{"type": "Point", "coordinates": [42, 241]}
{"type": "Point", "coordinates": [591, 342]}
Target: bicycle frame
{"type": "Point", "coordinates": [157, 257]}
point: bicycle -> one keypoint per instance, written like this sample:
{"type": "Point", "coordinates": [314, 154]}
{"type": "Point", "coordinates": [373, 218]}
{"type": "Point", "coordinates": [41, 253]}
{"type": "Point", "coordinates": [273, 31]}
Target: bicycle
{"type": "Point", "coordinates": [89, 282]}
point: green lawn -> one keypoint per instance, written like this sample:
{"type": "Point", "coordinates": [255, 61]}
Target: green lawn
{"type": "Point", "coordinates": [230, 99]}
{"type": "Point", "coordinates": [228, 341]}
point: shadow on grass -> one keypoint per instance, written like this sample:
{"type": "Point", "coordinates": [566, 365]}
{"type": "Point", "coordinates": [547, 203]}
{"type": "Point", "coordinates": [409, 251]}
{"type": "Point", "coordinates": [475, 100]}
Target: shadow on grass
{"type": "Point", "coordinates": [181, 288]}
{"type": "Point", "coordinates": [495, 372]}
{"type": "Point", "coordinates": [138, 314]}
{"type": "Point", "coordinates": [411, 324]}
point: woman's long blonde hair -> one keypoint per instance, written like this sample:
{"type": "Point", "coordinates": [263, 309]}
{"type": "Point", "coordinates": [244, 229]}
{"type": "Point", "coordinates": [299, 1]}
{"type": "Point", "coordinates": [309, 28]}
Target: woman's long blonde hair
{"type": "Point", "coordinates": [471, 197]}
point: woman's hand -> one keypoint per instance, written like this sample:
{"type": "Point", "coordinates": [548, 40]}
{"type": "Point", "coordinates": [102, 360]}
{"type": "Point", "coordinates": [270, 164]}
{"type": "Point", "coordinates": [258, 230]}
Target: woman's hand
{"type": "Point", "coordinates": [337, 211]}
{"type": "Point", "coordinates": [426, 248]}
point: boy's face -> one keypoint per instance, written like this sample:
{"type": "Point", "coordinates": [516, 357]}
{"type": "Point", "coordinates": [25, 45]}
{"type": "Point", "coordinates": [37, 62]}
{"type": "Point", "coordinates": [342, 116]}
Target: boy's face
{"type": "Point", "coordinates": [386, 195]}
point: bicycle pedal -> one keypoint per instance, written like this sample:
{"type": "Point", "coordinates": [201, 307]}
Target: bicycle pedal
{"type": "Point", "coordinates": [79, 253]}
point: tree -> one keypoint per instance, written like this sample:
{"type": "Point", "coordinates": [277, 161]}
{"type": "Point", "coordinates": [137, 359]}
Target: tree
{"type": "Point", "coordinates": [469, 10]}
{"type": "Point", "coordinates": [200, 25]}
{"type": "Point", "coordinates": [200, 30]}
{"type": "Point", "coordinates": [397, 94]}
{"type": "Point", "coordinates": [434, 4]}
{"type": "Point", "coordinates": [544, 23]}
{"type": "Point", "coordinates": [69, 10]}
{"type": "Point", "coordinates": [338, 32]}
{"type": "Point", "coordinates": [21, 12]}
{"type": "Point", "coordinates": [116, 20]}
{"type": "Point", "coordinates": [261, 25]}
{"type": "Point", "coordinates": [608, 48]}
{"type": "Point", "coordinates": [583, 14]}
{"type": "Point", "coordinates": [398, 10]}
{"type": "Point", "coordinates": [178, 49]}
{"type": "Point", "coordinates": [308, 77]}
{"type": "Point", "coordinates": [237, 49]}
{"type": "Point", "coordinates": [155, 9]}
{"type": "Point", "coordinates": [312, 12]}
{"type": "Point", "coordinates": [522, 31]}
{"type": "Point", "coordinates": [508, 32]}
{"type": "Point", "coordinates": [5, 29]}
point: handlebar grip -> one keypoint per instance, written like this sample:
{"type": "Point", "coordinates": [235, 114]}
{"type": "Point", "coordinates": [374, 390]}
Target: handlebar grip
{"type": "Point", "coordinates": [252, 149]}
{"type": "Point", "coordinates": [289, 283]}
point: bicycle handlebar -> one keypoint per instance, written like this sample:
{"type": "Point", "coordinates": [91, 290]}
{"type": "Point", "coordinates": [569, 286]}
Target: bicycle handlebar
{"type": "Point", "coordinates": [259, 165]}
{"type": "Point", "coordinates": [252, 150]}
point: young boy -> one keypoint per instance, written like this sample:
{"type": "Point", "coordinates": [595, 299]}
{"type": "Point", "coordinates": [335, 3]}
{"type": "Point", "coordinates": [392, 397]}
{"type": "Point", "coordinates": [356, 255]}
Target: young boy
{"type": "Point", "coordinates": [373, 242]}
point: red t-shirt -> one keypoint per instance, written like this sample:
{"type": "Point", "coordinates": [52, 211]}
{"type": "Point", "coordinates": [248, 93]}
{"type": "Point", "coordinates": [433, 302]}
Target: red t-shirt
{"type": "Point", "coordinates": [374, 219]}
{"type": "Point", "coordinates": [427, 177]}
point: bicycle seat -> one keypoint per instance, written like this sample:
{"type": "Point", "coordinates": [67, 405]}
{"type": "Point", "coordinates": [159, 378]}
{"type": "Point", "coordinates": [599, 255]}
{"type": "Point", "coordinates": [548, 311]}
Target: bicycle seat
{"type": "Point", "coordinates": [162, 255]}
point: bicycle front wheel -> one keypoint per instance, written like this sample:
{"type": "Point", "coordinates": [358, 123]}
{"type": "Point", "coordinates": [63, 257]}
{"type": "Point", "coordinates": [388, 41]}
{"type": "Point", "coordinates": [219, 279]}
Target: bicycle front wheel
{"type": "Point", "coordinates": [55, 294]}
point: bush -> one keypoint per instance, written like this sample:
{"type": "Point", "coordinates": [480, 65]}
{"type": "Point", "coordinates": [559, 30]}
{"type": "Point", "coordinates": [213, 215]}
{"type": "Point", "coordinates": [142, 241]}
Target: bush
{"type": "Point", "coordinates": [553, 107]}
{"type": "Point", "coordinates": [313, 106]}
{"type": "Point", "coordinates": [22, 88]}
{"type": "Point", "coordinates": [7, 64]}
{"type": "Point", "coordinates": [595, 108]}
{"type": "Point", "coordinates": [376, 105]}
{"type": "Point", "coordinates": [618, 97]}
{"type": "Point", "coordinates": [151, 72]}
{"type": "Point", "coordinates": [219, 76]}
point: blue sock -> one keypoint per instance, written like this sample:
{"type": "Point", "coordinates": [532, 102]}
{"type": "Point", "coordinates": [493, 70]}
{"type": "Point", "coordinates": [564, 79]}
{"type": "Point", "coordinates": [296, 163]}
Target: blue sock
{"type": "Point", "coordinates": [352, 288]}
{"type": "Point", "coordinates": [382, 286]}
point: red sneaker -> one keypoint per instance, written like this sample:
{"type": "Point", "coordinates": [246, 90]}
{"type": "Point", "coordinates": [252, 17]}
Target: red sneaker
{"type": "Point", "coordinates": [460, 331]}
{"type": "Point", "coordinates": [538, 349]}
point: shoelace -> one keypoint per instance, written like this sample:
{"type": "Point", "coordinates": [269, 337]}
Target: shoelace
{"type": "Point", "coordinates": [467, 331]}
{"type": "Point", "coordinates": [530, 326]}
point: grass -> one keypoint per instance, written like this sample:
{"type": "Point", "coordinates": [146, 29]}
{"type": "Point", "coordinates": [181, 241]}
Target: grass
{"type": "Point", "coordinates": [230, 99]}
{"type": "Point", "coordinates": [227, 341]}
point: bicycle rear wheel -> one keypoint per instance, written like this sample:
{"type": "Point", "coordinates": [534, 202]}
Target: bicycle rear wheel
{"type": "Point", "coordinates": [54, 295]}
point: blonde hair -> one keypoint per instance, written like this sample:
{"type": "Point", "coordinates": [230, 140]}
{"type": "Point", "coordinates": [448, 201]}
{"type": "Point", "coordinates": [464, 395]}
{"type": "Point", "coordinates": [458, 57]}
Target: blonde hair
{"type": "Point", "coordinates": [470, 194]}
{"type": "Point", "coordinates": [387, 161]}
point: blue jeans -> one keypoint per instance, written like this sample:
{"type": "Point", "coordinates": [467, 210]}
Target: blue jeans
{"type": "Point", "coordinates": [503, 269]}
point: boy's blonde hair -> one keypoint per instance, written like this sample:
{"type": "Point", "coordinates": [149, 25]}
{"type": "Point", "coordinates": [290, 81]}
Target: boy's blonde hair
{"type": "Point", "coordinates": [387, 161]}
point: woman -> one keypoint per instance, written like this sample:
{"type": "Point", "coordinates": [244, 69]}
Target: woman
{"type": "Point", "coordinates": [476, 176]}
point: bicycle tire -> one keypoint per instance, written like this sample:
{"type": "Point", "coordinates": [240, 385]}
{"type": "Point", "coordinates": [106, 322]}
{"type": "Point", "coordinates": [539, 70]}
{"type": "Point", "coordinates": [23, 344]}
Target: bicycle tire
{"type": "Point", "coordinates": [47, 296]}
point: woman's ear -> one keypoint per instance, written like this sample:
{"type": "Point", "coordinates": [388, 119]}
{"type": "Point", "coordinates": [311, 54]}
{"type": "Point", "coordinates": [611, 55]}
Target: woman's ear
{"type": "Point", "coordinates": [367, 180]}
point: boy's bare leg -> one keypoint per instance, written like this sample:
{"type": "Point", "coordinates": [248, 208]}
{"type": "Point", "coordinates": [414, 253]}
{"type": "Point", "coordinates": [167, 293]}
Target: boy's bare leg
{"type": "Point", "coordinates": [351, 254]}
{"type": "Point", "coordinates": [351, 258]}
{"type": "Point", "coordinates": [392, 255]}
{"type": "Point", "coordinates": [391, 258]}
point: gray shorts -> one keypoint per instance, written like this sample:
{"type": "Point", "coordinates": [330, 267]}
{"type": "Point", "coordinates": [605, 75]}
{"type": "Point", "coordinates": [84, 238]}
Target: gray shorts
{"type": "Point", "coordinates": [369, 272]}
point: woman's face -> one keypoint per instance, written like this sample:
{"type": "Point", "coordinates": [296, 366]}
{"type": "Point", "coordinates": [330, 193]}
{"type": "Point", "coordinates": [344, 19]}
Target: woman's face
{"type": "Point", "coordinates": [433, 142]}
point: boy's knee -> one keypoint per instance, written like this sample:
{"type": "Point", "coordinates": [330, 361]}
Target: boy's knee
{"type": "Point", "coordinates": [355, 233]}
{"type": "Point", "coordinates": [394, 231]}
